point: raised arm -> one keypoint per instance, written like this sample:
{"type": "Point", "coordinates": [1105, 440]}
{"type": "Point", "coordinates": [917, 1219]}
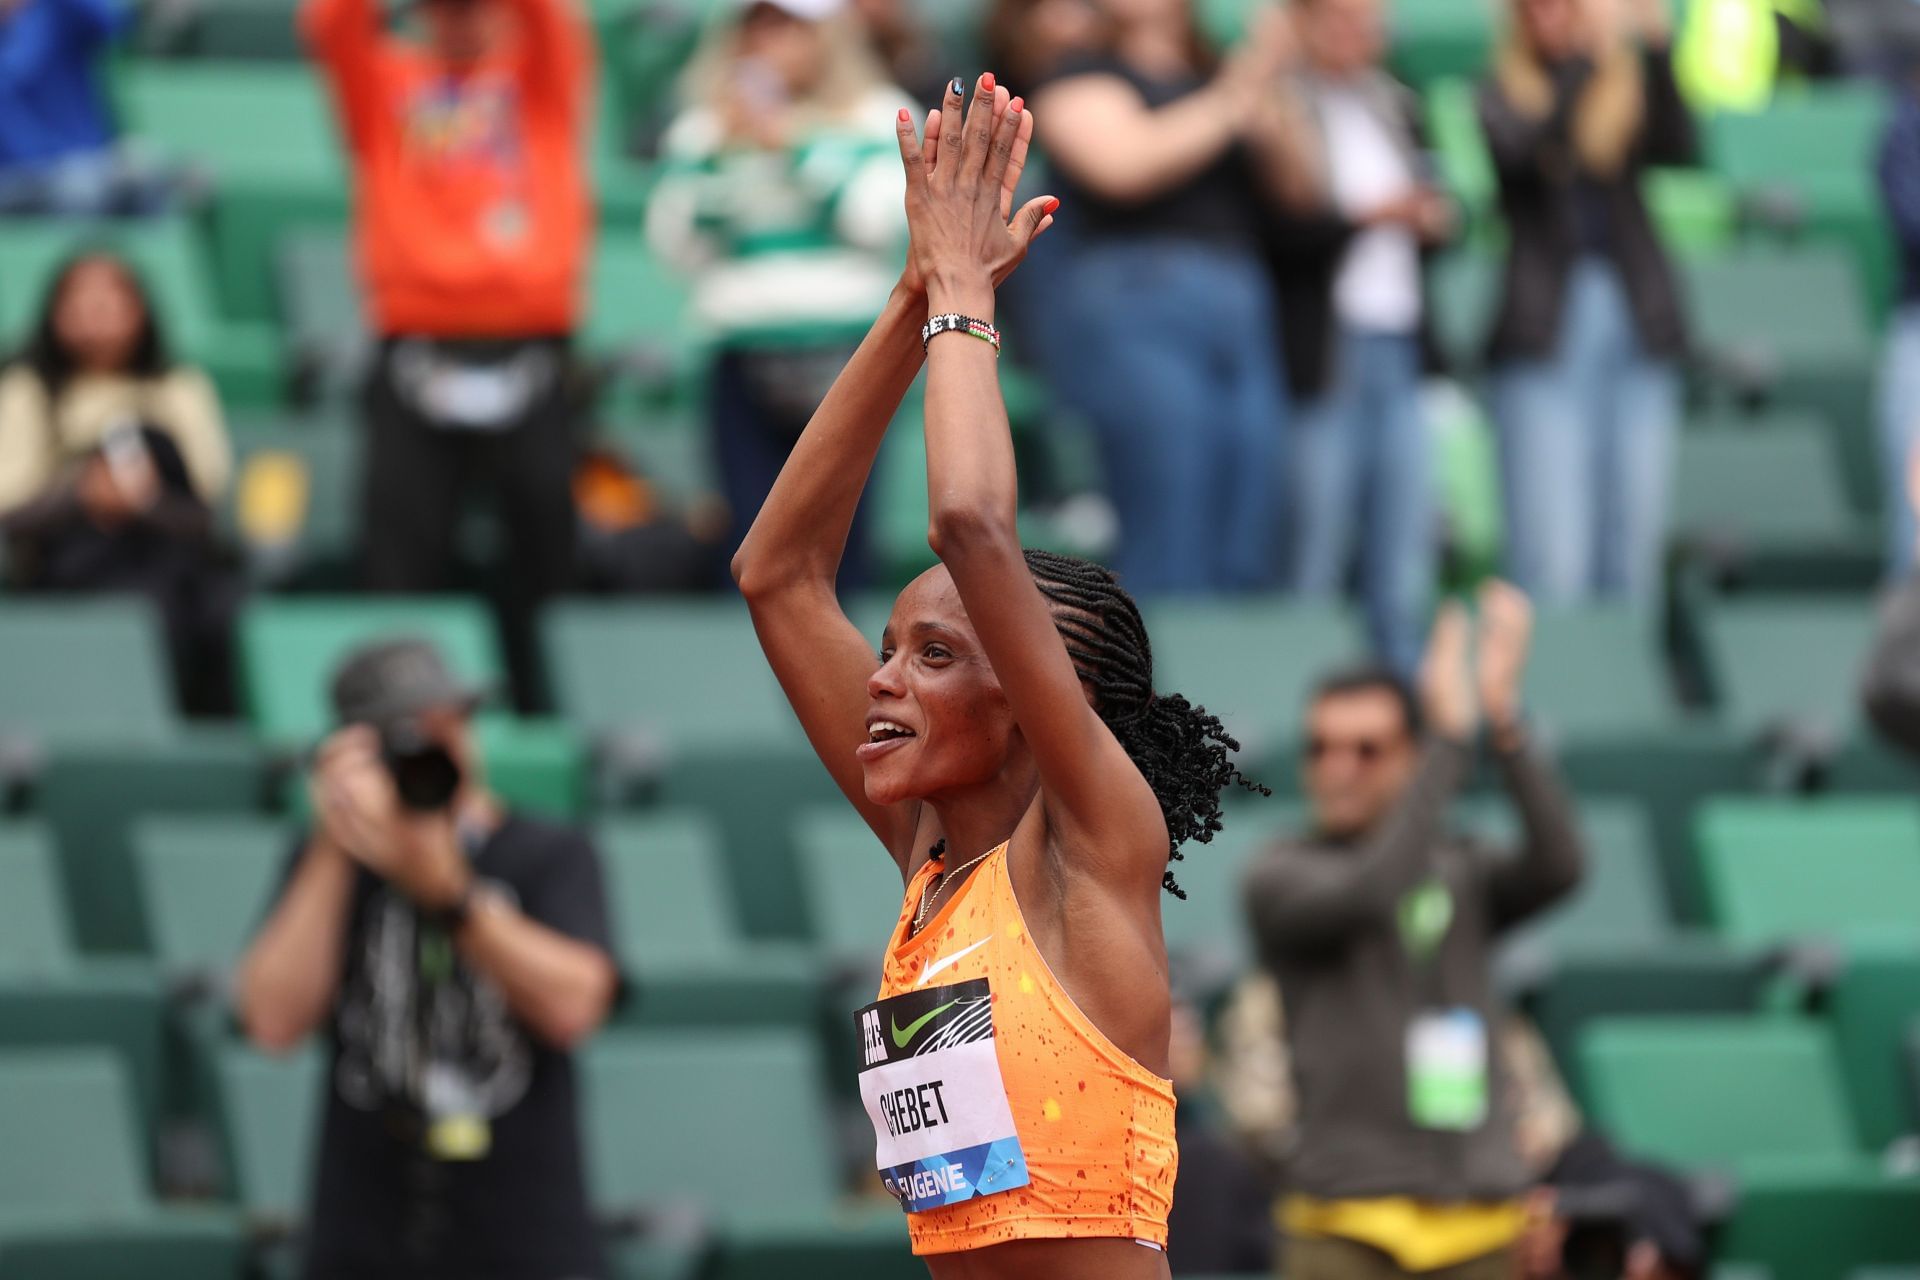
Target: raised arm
{"type": "Point", "coordinates": [555, 56]}
{"type": "Point", "coordinates": [1552, 854]}
{"type": "Point", "coordinates": [1093, 794]}
{"type": "Point", "coordinates": [787, 563]}
{"type": "Point", "coordinates": [344, 37]}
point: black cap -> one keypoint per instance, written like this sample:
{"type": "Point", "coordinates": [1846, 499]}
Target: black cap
{"type": "Point", "coordinates": [392, 681]}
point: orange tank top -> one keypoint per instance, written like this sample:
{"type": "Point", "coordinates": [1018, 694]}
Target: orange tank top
{"type": "Point", "coordinates": [1000, 1111]}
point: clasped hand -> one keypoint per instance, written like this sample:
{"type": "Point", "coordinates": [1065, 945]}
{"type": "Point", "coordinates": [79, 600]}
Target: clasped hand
{"type": "Point", "coordinates": [960, 183]}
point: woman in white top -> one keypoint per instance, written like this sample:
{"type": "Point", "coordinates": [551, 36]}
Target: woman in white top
{"type": "Point", "coordinates": [111, 456]}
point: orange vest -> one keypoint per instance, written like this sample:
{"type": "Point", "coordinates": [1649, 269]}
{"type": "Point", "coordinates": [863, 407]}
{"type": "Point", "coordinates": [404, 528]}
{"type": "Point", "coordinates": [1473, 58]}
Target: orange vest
{"type": "Point", "coordinates": [1000, 1111]}
{"type": "Point", "coordinates": [471, 204]}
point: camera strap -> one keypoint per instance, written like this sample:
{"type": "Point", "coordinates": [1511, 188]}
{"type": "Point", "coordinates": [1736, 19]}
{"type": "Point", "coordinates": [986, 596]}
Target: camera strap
{"type": "Point", "coordinates": [455, 1122]}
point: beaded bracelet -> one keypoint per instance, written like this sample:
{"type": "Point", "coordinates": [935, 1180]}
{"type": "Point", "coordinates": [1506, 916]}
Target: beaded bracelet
{"type": "Point", "coordinates": [953, 322]}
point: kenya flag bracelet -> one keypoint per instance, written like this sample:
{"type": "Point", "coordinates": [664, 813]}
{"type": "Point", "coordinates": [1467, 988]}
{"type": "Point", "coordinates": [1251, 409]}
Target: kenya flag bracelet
{"type": "Point", "coordinates": [953, 322]}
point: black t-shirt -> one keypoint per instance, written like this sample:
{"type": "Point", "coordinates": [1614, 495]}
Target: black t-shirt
{"type": "Point", "coordinates": [1220, 205]}
{"type": "Point", "coordinates": [400, 1036]}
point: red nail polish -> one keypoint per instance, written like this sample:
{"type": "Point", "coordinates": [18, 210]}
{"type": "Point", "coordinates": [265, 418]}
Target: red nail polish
{"type": "Point", "coordinates": [1016, 104]}
{"type": "Point", "coordinates": [1053, 204]}
{"type": "Point", "coordinates": [903, 115]}
{"type": "Point", "coordinates": [986, 82]}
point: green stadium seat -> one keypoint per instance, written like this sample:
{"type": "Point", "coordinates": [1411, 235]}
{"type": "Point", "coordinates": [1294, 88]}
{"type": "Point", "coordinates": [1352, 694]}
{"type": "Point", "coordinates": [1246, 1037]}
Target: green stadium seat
{"type": "Point", "coordinates": [1815, 147]}
{"type": "Point", "coordinates": [1763, 505]}
{"type": "Point", "coordinates": [290, 648]}
{"type": "Point", "coordinates": [118, 1006]}
{"type": "Point", "coordinates": [1774, 662]}
{"type": "Point", "coordinates": [243, 359]}
{"type": "Point", "coordinates": [677, 697]}
{"type": "Point", "coordinates": [1875, 999]}
{"type": "Point", "coordinates": [535, 765]}
{"type": "Point", "coordinates": [251, 30]}
{"type": "Point", "coordinates": [89, 797]}
{"type": "Point", "coordinates": [1817, 355]}
{"type": "Point", "coordinates": [1695, 212]}
{"type": "Point", "coordinates": [1621, 901]}
{"type": "Point", "coordinates": [867, 1239]}
{"type": "Point", "coordinates": [1686, 976]}
{"type": "Point", "coordinates": [83, 671]}
{"type": "Point", "coordinates": [1824, 1227]}
{"type": "Point", "coordinates": [74, 1203]}
{"type": "Point", "coordinates": [1668, 772]}
{"type": "Point", "coordinates": [266, 134]}
{"type": "Point", "coordinates": [319, 299]}
{"type": "Point", "coordinates": [1433, 39]}
{"type": "Point", "coordinates": [677, 931]}
{"type": "Point", "coordinates": [72, 1135]}
{"type": "Point", "coordinates": [637, 316]}
{"type": "Point", "coordinates": [1597, 672]}
{"type": "Point", "coordinates": [34, 938]}
{"type": "Point", "coordinates": [653, 1092]}
{"type": "Point", "coordinates": [49, 996]}
{"type": "Point", "coordinates": [1252, 663]}
{"type": "Point", "coordinates": [207, 883]}
{"type": "Point", "coordinates": [1708, 1093]}
{"type": "Point", "coordinates": [178, 1244]}
{"type": "Point", "coordinates": [267, 1113]}
{"type": "Point", "coordinates": [1843, 868]}
{"type": "Point", "coordinates": [853, 890]}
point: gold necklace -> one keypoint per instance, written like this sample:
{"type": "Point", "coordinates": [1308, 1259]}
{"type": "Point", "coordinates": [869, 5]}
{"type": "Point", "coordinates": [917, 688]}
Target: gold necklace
{"type": "Point", "coordinates": [939, 883]}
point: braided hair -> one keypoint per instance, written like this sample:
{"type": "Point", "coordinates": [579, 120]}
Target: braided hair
{"type": "Point", "coordinates": [1184, 753]}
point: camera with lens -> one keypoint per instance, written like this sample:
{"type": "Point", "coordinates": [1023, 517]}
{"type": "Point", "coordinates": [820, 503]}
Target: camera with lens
{"type": "Point", "coordinates": [425, 774]}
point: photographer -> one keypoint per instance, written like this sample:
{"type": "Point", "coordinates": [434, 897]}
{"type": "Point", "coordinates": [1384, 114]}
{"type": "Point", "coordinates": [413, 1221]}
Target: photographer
{"type": "Point", "coordinates": [457, 952]}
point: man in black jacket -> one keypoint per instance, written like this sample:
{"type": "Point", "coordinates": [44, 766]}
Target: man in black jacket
{"type": "Point", "coordinates": [1380, 929]}
{"type": "Point", "coordinates": [1353, 315]}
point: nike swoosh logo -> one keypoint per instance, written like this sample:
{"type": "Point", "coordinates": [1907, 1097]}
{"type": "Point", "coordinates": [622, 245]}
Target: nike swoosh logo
{"type": "Point", "coordinates": [902, 1035]}
{"type": "Point", "coordinates": [944, 961]}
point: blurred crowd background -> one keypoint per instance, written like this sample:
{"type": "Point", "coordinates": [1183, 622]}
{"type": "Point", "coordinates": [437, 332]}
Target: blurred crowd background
{"type": "Point", "coordinates": [1350, 305]}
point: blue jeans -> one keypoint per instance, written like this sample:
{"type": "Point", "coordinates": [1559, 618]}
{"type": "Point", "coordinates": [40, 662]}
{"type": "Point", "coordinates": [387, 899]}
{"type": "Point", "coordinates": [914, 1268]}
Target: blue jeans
{"type": "Point", "coordinates": [1173, 352]}
{"type": "Point", "coordinates": [1361, 480]}
{"type": "Point", "coordinates": [1586, 452]}
{"type": "Point", "coordinates": [1899, 418]}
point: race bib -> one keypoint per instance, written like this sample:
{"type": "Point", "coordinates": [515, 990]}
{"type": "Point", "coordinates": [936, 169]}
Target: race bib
{"type": "Point", "coordinates": [931, 1085]}
{"type": "Point", "coordinates": [1447, 1070]}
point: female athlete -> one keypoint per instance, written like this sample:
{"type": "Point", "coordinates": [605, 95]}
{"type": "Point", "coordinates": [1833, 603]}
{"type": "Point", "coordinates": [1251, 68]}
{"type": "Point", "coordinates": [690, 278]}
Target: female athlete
{"type": "Point", "coordinates": [1009, 750]}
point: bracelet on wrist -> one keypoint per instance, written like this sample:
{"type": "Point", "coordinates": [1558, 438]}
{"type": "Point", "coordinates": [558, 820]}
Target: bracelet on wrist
{"type": "Point", "coordinates": [954, 322]}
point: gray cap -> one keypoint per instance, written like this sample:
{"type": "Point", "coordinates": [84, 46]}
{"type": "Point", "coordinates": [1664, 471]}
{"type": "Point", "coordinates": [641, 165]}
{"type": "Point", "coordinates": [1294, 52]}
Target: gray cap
{"type": "Point", "coordinates": [392, 681]}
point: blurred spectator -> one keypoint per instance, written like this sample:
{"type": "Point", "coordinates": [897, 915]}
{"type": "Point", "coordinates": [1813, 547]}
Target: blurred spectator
{"type": "Point", "coordinates": [1617, 1218]}
{"type": "Point", "coordinates": [1353, 310]}
{"type": "Point", "coordinates": [1891, 689]}
{"type": "Point", "coordinates": [1168, 333]}
{"type": "Point", "coordinates": [1899, 170]}
{"type": "Point", "coordinates": [1590, 324]}
{"type": "Point", "coordinates": [1221, 1222]}
{"type": "Point", "coordinates": [782, 196]}
{"type": "Point", "coordinates": [1029, 40]}
{"type": "Point", "coordinates": [111, 458]}
{"type": "Point", "coordinates": [57, 153]}
{"type": "Point", "coordinates": [457, 953]}
{"type": "Point", "coordinates": [473, 221]}
{"type": "Point", "coordinates": [634, 540]}
{"type": "Point", "coordinates": [1731, 53]}
{"type": "Point", "coordinates": [1379, 929]}
{"type": "Point", "coordinates": [899, 39]}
